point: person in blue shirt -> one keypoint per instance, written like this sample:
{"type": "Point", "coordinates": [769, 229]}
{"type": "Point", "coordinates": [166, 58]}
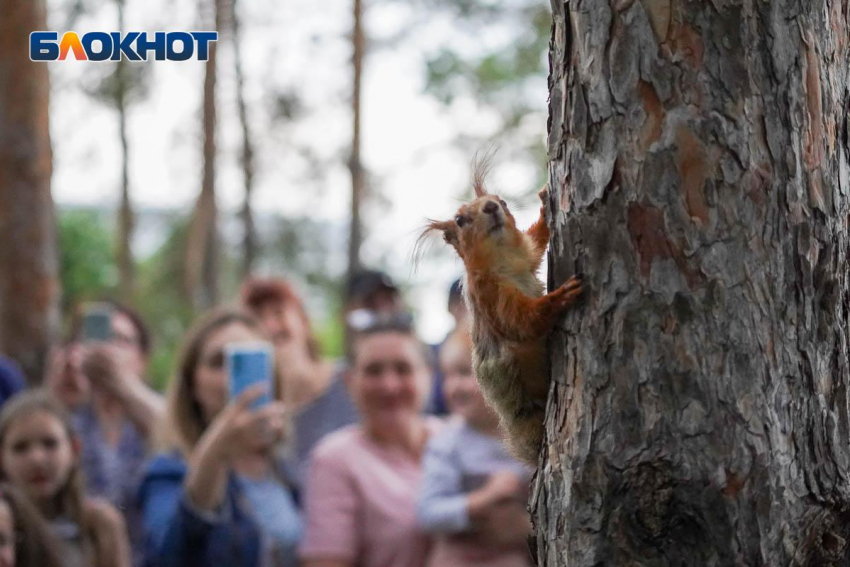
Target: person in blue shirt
{"type": "Point", "coordinates": [217, 495]}
{"type": "Point", "coordinates": [11, 379]}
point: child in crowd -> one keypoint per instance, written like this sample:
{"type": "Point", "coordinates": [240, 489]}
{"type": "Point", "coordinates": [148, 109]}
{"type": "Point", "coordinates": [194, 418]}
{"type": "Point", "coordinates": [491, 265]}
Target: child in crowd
{"type": "Point", "coordinates": [25, 540]}
{"type": "Point", "coordinates": [473, 490]}
{"type": "Point", "coordinates": [40, 455]}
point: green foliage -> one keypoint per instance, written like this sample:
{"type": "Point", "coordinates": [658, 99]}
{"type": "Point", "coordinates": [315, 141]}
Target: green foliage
{"type": "Point", "coordinates": [87, 267]}
{"type": "Point", "coordinates": [120, 83]}
{"type": "Point", "coordinates": [163, 305]}
{"type": "Point", "coordinates": [501, 78]}
{"type": "Point", "coordinates": [494, 77]}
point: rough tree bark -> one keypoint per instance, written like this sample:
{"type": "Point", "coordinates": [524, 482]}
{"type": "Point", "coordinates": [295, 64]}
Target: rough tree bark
{"type": "Point", "coordinates": [29, 290]}
{"type": "Point", "coordinates": [699, 166]}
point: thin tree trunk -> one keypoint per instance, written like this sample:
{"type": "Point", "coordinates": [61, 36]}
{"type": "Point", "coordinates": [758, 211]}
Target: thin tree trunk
{"type": "Point", "coordinates": [126, 218]}
{"type": "Point", "coordinates": [355, 239]}
{"type": "Point", "coordinates": [699, 172]}
{"type": "Point", "coordinates": [202, 242]}
{"type": "Point", "coordinates": [249, 245]}
{"type": "Point", "coordinates": [29, 288]}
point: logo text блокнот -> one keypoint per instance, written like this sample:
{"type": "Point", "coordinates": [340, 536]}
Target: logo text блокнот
{"type": "Point", "coordinates": [111, 46]}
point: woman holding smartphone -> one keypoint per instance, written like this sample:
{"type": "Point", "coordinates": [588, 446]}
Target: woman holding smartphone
{"type": "Point", "coordinates": [217, 495]}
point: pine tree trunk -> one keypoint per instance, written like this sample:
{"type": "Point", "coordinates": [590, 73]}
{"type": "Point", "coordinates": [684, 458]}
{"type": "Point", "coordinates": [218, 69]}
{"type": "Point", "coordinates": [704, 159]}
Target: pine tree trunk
{"type": "Point", "coordinates": [126, 218]}
{"type": "Point", "coordinates": [29, 288]}
{"type": "Point", "coordinates": [355, 238]}
{"type": "Point", "coordinates": [202, 243]}
{"type": "Point", "coordinates": [249, 242]}
{"type": "Point", "coordinates": [699, 175]}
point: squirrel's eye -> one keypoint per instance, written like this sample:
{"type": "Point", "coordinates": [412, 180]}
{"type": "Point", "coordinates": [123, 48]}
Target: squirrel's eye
{"type": "Point", "coordinates": [503, 203]}
{"type": "Point", "coordinates": [460, 220]}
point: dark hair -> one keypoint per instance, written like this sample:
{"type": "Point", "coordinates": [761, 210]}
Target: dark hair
{"type": "Point", "coordinates": [455, 292]}
{"type": "Point", "coordinates": [35, 545]}
{"type": "Point", "coordinates": [258, 292]}
{"type": "Point", "coordinates": [185, 421]}
{"type": "Point", "coordinates": [366, 282]}
{"type": "Point", "coordinates": [381, 323]}
{"type": "Point", "coordinates": [145, 341]}
{"type": "Point", "coordinates": [135, 318]}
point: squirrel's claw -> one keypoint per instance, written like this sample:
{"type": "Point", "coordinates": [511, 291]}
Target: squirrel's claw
{"type": "Point", "coordinates": [543, 194]}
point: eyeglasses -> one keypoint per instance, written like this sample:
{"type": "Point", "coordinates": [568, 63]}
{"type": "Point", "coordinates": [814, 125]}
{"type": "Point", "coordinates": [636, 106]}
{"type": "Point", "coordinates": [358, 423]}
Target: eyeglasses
{"type": "Point", "coordinates": [368, 321]}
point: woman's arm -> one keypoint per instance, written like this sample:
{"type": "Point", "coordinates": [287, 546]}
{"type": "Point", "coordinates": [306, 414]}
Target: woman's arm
{"type": "Point", "coordinates": [104, 367]}
{"type": "Point", "coordinates": [109, 532]}
{"type": "Point", "coordinates": [176, 531]}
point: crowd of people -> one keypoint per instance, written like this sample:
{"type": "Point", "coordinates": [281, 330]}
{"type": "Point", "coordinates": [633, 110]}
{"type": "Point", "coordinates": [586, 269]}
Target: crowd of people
{"type": "Point", "coordinates": [389, 457]}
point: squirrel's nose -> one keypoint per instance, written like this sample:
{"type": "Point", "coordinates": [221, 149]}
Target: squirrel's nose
{"type": "Point", "coordinates": [491, 207]}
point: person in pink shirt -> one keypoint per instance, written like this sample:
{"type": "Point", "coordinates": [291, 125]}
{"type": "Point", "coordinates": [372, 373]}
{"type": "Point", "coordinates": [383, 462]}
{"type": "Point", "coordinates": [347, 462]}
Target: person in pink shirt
{"type": "Point", "coordinates": [363, 480]}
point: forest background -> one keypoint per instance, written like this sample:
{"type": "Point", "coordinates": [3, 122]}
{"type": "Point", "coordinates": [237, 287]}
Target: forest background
{"type": "Point", "coordinates": [440, 80]}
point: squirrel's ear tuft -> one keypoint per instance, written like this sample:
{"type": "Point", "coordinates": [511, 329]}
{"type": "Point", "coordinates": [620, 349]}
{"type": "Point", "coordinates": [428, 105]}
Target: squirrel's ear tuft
{"type": "Point", "coordinates": [481, 165]}
{"type": "Point", "coordinates": [446, 227]}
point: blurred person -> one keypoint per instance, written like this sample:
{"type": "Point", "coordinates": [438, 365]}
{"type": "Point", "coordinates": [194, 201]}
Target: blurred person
{"type": "Point", "coordinates": [368, 292]}
{"type": "Point", "coordinates": [456, 303]}
{"type": "Point", "coordinates": [64, 377]}
{"type": "Point", "coordinates": [25, 539]}
{"type": "Point", "coordinates": [218, 496]}
{"type": "Point", "coordinates": [473, 492]}
{"type": "Point", "coordinates": [11, 379]}
{"type": "Point", "coordinates": [118, 421]}
{"type": "Point", "coordinates": [102, 382]}
{"type": "Point", "coordinates": [363, 480]}
{"type": "Point", "coordinates": [40, 455]}
{"type": "Point", "coordinates": [314, 389]}
{"type": "Point", "coordinates": [457, 308]}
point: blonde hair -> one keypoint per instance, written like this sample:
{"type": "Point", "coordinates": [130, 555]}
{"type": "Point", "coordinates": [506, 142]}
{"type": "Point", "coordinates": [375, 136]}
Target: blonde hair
{"type": "Point", "coordinates": [185, 421]}
{"type": "Point", "coordinates": [70, 498]}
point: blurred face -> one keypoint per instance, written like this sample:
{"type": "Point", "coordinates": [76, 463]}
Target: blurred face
{"type": "Point", "coordinates": [390, 379]}
{"type": "Point", "coordinates": [283, 323]}
{"type": "Point", "coordinates": [65, 378]}
{"type": "Point", "coordinates": [211, 389]}
{"type": "Point", "coordinates": [126, 338]}
{"type": "Point", "coordinates": [38, 455]}
{"type": "Point", "coordinates": [463, 394]}
{"type": "Point", "coordinates": [7, 535]}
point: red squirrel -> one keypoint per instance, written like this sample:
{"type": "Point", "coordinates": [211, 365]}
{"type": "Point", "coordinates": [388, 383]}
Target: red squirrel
{"type": "Point", "coordinates": [511, 316]}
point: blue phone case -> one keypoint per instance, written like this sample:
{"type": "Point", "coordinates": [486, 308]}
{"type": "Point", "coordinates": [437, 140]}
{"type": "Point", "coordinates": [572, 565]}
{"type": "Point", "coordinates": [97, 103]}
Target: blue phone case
{"type": "Point", "coordinates": [249, 364]}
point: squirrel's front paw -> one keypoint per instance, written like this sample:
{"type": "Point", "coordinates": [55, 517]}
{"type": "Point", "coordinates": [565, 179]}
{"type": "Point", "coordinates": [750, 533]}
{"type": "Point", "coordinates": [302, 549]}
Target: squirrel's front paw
{"type": "Point", "coordinates": [569, 293]}
{"type": "Point", "coordinates": [543, 194]}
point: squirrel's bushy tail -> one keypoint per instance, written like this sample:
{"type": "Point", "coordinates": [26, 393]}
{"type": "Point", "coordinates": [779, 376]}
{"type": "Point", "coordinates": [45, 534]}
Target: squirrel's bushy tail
{"type": "Point", "coordinates": [525, 435]}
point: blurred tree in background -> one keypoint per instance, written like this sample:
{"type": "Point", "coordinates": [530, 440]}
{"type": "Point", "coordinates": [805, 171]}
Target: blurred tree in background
{"type": "Point", "coordinates": [123, 85]}
{"type": "Point", "coordinates": [29, 290]}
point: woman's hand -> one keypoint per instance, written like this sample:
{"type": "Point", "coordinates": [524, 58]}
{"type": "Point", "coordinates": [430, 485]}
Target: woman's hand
{"type": "Point", "coordinates": [103, 365]}
{"type": "Point", "coordinates": [110, 369]}
{"type": "Point", "coordinates": [237, 430]}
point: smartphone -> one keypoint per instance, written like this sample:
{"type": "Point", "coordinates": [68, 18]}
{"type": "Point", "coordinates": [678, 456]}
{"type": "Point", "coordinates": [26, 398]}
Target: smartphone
{"type": "Point", "coordinates": [248, 364]}
{"type": "Point", "coordinates": [97, 322]}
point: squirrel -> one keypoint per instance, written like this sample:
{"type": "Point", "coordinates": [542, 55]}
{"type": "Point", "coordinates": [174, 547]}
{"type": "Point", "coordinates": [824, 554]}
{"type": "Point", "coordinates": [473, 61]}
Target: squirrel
{"type": "Point", "coordinates": [510, 314]}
